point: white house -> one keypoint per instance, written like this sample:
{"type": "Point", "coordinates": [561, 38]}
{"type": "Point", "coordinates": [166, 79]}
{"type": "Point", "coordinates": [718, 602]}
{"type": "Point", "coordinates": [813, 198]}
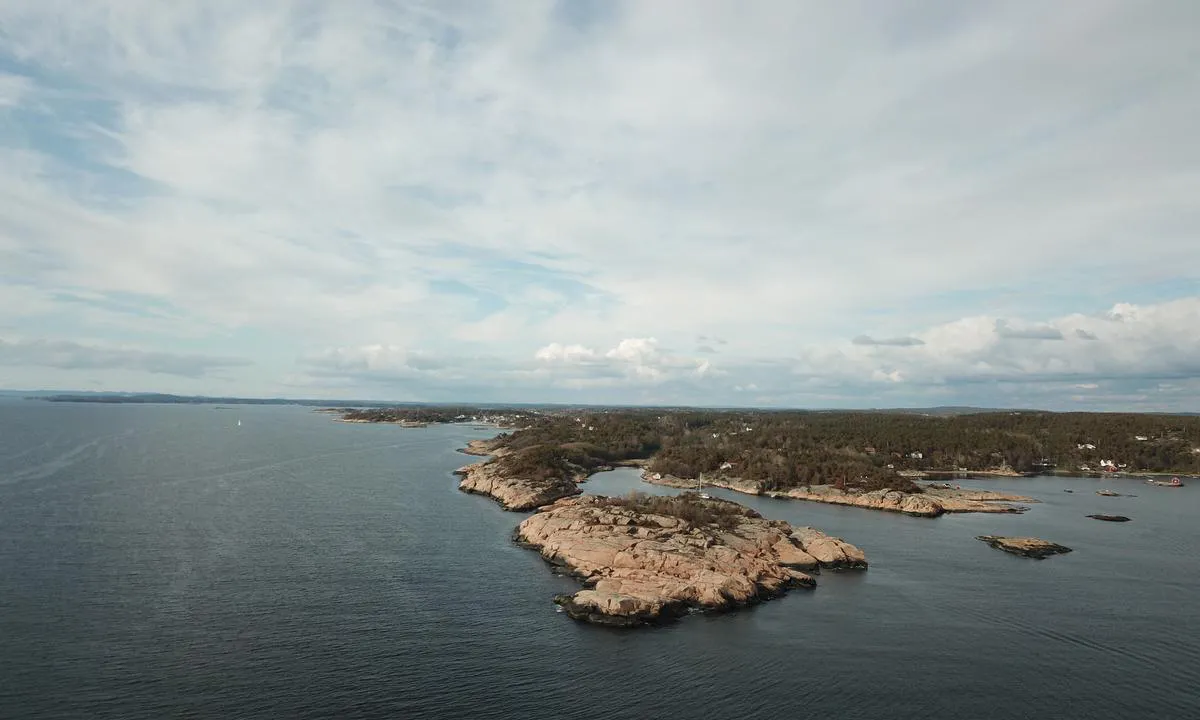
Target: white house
{"type": "Point", "coordinates": [1085, 446]}
{"type": "Point", "coordinates": [917, 455]}
{"type": "Point", "coordinates": [1140, 438]}
{"type": "Point", "coordinates": [726, 466]}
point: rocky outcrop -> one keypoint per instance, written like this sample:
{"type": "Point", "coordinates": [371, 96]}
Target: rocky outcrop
{"type": "Point", "coordinates": [930, 503]}
{"type": "Point", "coordinates": [513, 493]}
{"type": "Point", "coordinates": [645, 561]}
{"type": "Point", "coordinates": [829, 551]}
{"type": "Point", "coordinates": [1035, 548]}
{"type": "Point", "coordinates": [918, 504]}
{"type": "Point", "coordinates": [483, 448]}
{"type": "Point", "coordinates": [961, 500]}
{"type": "Point", "coordinates": [1109, 518]}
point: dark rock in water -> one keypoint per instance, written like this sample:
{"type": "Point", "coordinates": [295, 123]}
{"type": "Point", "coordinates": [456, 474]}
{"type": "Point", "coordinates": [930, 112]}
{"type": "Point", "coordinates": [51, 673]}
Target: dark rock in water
{"type": "Point", "coordinates": [1070, 491]}
{"type": "Point", "coordinates": [1035, 548]}
{"type": "Point", "coordinates": [1109, 518]}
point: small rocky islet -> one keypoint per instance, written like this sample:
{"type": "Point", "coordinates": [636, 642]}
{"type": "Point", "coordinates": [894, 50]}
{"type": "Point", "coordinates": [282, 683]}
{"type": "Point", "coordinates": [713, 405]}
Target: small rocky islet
{"type": "Point", "coordinates": [1029, 547]}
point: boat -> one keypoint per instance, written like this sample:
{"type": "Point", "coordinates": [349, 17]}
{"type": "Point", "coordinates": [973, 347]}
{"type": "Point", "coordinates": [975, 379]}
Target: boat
{"type": "Point", "coordinates": [1107, 493]}
{"type": "Point", "coordinates": [1173, 482]}
{"type": "Point", "coordinates": [700, 489]}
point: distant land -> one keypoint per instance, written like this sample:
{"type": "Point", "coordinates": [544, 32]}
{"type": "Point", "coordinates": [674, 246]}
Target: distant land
{"type": "Point", "coordinates": [84, 396]}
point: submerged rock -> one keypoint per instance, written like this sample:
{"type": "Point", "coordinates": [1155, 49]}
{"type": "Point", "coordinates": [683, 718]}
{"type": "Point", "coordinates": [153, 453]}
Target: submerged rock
{"type": "Point", "coordinates": [1109, 518]}
{"type": "Point", "coordinates": [1024, 546]}
{"type": "Point", "coordinates": [645, 560]}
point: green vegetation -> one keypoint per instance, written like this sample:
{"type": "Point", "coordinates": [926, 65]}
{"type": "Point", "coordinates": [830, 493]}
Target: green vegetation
{"type": "Point", "coordinates": [863, 450]}
{"type": "Point", "coordinates": [689, 507]}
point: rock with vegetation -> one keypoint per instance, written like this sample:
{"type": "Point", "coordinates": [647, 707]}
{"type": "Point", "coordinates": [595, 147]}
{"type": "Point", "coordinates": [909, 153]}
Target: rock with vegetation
{"type": "Point", "coordinates": [484, 448]}
{"type": "Point", "coordinates": [930, 503]}
{"type": "Point", "coordinates": [645, 559]}
{"type": "Point", "coordinates": [515, 492]}
{"type": "Point", "coordinates": [1029, 547]}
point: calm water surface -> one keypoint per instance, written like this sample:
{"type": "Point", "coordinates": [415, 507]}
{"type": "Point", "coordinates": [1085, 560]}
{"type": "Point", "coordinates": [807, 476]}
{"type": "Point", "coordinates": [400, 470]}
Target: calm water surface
{"type": "Point", "coordinates": [163, 561]}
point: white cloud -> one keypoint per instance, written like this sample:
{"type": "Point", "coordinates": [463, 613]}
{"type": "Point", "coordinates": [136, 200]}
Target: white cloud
{"type": "Point", "coordinates": [67, 355]}
{"type": "Point", "coordinates": [475, 181]}
{"type": "Point", "coordinates": [639, 360]}
{"type": "Point", "coordinates": [13, 88]}
{"type": "Point", "coordinates": [1146, 341]}
{"type": "Point", "coordinates": [636, 351]}
{"type": "Point", "coordinates": [554, 352]}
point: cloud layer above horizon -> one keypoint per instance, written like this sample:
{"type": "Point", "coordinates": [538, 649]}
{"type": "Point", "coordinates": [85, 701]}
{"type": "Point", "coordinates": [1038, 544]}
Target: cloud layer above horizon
{"type": "Point", "coordinates": [786, 204]}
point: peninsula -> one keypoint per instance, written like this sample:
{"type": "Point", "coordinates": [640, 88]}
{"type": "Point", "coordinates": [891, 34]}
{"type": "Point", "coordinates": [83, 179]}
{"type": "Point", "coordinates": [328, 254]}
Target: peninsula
{"type": "Point", "coordinates": [925, 501]}
{"type": "Point", "coordinates": [873, 460]}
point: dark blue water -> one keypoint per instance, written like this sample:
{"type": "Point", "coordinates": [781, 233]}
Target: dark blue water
{"type": "Point", "coordinates": [161, 561]}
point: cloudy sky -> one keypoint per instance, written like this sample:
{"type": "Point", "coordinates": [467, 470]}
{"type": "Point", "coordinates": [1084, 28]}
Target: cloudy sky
{"type": "Point", "coordinates": [815, 204]}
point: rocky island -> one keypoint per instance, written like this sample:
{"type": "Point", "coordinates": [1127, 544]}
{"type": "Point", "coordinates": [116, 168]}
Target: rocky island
{"type": "Point", "coordinates": [647, 559]}
{"type": "Point", "coordinates": [1029, 547]}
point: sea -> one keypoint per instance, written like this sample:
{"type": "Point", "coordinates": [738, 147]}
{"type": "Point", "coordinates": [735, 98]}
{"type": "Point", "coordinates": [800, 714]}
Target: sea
{"type": "Point", "coordinates": [179, 561]}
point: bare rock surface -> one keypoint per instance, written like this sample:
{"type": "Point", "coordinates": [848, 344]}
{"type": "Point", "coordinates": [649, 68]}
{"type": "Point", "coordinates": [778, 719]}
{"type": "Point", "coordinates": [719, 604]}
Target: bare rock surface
{"type": "Point", "coordinates": [645, 559]}
{"type": "Point", "coordinates": [484, 448]}
{"type": "Point", "coordinates": [930, 503]}
{"type": "Point", "coordinates": [513, 493]}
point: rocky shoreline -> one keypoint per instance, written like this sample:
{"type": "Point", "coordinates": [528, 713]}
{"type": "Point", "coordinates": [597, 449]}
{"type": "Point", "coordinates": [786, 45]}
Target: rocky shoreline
{"type": "Point", "coordinates": [483, 448]}
{"type": "Point", "coordinates": [930, 503]}
{"type": "Point", "coordinates": [649, 559]}
{"type": "Point", "coordinates": [401, 423]}
{"type": "Point", "coordinates": [516, 494]}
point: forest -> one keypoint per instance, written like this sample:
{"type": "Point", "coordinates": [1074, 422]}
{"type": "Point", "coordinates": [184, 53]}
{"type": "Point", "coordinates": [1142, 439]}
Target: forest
{"type": "Point", "coordinates": [860, 449]}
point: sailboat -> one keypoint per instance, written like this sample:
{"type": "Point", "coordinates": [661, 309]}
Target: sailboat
{"type": "Point", "coordinates": [239, 423]}
{"type": "Point", "coordinates": [700, 488]}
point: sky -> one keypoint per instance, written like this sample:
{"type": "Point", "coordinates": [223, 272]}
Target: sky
{"type": "Point", "coordinates": [774, 203]}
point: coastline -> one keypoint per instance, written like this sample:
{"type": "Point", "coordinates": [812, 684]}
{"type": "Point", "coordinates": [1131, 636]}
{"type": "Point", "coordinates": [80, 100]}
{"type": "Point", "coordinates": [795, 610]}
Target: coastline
{"type": "Point", "coordinates": [401, 423]}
